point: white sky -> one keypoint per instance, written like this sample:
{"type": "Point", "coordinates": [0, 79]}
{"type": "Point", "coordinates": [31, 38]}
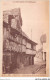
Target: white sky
{"type": "Point", "coordinates": [34, 16]}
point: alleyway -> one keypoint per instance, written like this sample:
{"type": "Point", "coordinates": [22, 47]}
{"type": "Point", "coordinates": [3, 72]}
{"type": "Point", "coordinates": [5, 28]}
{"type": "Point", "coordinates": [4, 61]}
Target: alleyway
{"type": "Point", "coordinates": [31, 69]}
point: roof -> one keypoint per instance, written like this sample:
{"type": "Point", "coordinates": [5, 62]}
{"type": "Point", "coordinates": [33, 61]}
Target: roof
{"type": "Point", "coordinates": [28, 39]}
{"type": "Point", "coordinates": [23, 34]}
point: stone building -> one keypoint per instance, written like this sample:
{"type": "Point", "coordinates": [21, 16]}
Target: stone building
{"type": "Point", "coordinates": [18, 49]}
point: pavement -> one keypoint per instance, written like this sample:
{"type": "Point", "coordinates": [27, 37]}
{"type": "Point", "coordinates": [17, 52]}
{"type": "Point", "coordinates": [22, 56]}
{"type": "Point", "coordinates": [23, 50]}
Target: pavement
{"type": "Point", "coordinates": [37, 68]}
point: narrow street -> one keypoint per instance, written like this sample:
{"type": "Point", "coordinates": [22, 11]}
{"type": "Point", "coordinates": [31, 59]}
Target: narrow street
{"type": "Point", "coordinates": [32, 69]}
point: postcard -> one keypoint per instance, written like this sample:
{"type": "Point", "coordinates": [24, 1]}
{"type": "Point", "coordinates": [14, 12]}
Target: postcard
{"type": "Point", "coordinates": [24, 31]}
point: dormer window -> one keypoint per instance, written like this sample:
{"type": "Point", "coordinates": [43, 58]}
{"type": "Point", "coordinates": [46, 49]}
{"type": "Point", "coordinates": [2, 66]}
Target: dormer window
{"type": "Point", "coordinates": [13, 23]}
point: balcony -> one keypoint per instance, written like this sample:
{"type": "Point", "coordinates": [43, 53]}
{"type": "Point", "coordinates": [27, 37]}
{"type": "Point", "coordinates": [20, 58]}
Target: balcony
{"type": "Point", "coordinates": [29, 51]}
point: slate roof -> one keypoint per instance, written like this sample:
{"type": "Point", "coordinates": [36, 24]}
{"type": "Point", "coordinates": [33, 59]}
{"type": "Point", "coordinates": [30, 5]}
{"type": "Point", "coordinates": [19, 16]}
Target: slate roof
{"type": "Point", "coordinates": [22, 33]}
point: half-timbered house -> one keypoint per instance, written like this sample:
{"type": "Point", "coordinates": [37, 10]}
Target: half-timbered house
{"type": "Point", "coordinates": [18, 49]}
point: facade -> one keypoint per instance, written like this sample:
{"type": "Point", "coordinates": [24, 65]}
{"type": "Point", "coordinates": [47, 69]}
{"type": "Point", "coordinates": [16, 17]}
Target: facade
{"type": "Point", "coordinates": [18, 49]}
{"type": "Point", "coordinates": [44, 46]}
{"type": "Point", "coordinates": [44, 51]}
{"type": "Point", "coordinates": [41, 53]}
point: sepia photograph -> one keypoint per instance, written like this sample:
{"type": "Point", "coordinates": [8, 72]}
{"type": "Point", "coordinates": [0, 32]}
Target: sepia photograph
{"type": "Point", "coordinates": [25, 37]}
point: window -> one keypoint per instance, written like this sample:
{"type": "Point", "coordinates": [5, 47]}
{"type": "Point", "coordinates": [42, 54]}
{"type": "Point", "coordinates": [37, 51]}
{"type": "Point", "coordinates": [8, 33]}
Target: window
{"type": "Point", "coordinates": [13, 23]}
{"type": "Point", "coordinates": [31, 46]}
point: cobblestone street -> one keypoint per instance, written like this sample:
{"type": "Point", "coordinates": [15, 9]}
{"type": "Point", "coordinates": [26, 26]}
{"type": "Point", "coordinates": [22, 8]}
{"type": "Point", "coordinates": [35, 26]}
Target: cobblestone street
{"type": "Point", "coordinates": [32, 69]}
